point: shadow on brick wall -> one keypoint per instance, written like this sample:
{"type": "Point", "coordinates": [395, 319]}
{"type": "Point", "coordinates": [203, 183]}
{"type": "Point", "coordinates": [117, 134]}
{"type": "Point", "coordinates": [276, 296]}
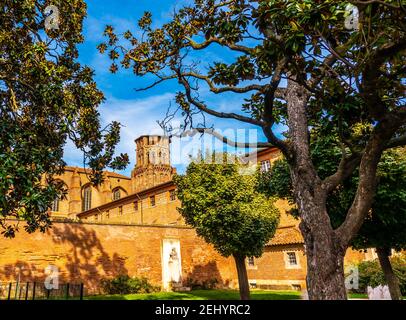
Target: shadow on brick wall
{"type": "Point", "coordinates": [86, 258]}
{"type": "Point", "coordinates": [83, 259]}
{"type": "Point", "coordinates": [21, 270]}
{"type": "Point", "coordinates": [206, 276]}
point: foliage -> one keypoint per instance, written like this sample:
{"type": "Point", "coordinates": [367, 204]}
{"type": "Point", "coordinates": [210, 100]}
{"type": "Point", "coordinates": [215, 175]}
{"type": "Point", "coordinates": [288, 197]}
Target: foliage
{"type": "Point", "coordinates": [370, 273]}
{"type": "Point", "coordinates": [268, 40]}
{"type": "Point", "coordinates": [276, 182]}
{"type": "Point", "coordinates": [46, 98]}
{"type": "Point", "coordinates": [124, 284]}
{"type": "Point", "coordinates": [226, 208]}
{"type": "Point", "coordinates": [386, 224]}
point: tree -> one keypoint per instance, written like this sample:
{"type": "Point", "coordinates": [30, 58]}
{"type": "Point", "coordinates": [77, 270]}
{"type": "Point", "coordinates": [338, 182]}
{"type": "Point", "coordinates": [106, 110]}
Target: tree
{"type": "Point", "coordinates": [46, 97]}
{"type": "Point", "coordinates": [385, 225]}
{"type": "Point", "coordinates": [296, 63]}
{"type": "Point", "coordinates": [385, 228]}
{"type": "Point", "coordinates": [227, 211]}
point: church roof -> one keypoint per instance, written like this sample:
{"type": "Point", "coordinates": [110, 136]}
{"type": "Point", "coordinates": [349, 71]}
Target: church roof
{"type": "Point", "coordinates": [286, 235]}
{"type": "Point", "coordinates": [109, 173]}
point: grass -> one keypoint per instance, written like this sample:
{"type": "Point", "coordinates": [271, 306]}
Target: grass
{"type": "Point", "coordinates": [357, 296]}
{"type": "Point", "coordinates": [203, 295]}
{"type": "Point", "coordinates": [363, 296]}
{"type": "Point", "coordinates": [213, 295]}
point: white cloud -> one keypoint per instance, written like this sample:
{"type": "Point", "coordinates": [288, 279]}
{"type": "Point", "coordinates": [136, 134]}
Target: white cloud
{"type": "Point", "coordinates": [137, 116]}
{"type": "Point", "coordinates": [101, 64]}
{"type": "Point", "coordinates": [94, 28]}
{"type": "Point", "coordinates": [72, 155]}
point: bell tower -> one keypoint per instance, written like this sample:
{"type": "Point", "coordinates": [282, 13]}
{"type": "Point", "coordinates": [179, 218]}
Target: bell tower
{"type": "Point", "coordinates": [153, 162]}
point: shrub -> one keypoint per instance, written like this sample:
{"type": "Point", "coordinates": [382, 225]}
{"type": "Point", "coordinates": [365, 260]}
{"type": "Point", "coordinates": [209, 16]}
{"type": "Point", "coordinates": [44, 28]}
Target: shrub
{"type": "Point", "coordinates": [124, 284]}
{"type": "Point", "coordinates": [370, 273]}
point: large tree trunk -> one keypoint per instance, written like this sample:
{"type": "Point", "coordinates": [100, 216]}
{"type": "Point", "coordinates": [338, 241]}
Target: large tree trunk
{"type": "Point", "coordinates": [324, 250]}
{"type": "Point", "coordinates": [325, 272]}
{"type": "Point", "coordinates": [325, 256]}
{"type": "Point", "coordinates": [242, 277]}
{"type": "Point", "coordinates": [325, 247]}
{"type": "Point", "coordinates": [390, 276]}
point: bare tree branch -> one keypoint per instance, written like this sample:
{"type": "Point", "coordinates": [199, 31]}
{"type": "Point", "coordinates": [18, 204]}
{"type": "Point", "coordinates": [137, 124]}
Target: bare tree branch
{"type": "Point", "coordinates": [213, 88]}
{"type": "Point", "coordinates": [397, 142]}
{"type": "Point", "coordinates": [269, 100]}
{"type": "Point", "coordinates": [235, 47]}
{"type": "Point", "coordinates": [245, 145]}
{"type": "Point", "coordinates": [327, 64]}
{"type": "Point", "coordinates": [367, 177]}
{"type": "Point", "coordinates": [201, 106]}
{"type": "Point", "coordinates": [271, 92]}
{"type": "Point", "coordinates": [371, 74]}
{"type": "Point", "coordinates": [162, 79]}
{"type": "Point", "coordinates": [384, 3]}
{"type": "Point", "coordinates": [345, 169]}
{"type": "Point", "coordinates": [279, 92]}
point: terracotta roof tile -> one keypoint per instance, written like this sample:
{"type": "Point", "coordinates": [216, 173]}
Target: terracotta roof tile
{"type": "Point", "coordinates": [286, 235]}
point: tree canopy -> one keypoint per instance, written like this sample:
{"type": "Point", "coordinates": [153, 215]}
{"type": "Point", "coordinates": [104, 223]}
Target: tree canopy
{"type": "Point", "coordinates": [385, 225]}
{"type": "Point", "coordinates": [46, 98]}
{"type": "Point", "coordinates": [227, 210]}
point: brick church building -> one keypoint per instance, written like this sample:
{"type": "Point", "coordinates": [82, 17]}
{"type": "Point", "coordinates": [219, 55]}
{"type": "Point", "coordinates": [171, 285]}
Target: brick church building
{"type": "Point", "coordinates": [130, 225]}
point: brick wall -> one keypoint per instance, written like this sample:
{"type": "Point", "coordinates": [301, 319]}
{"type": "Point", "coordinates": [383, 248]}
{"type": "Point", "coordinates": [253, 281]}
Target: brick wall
{"type": "Point", "coordinates": [141, 211]}
{"type": "Point", "coordinates": [90, 252]}
{"type": "Point", "coordinates": [273, 272]}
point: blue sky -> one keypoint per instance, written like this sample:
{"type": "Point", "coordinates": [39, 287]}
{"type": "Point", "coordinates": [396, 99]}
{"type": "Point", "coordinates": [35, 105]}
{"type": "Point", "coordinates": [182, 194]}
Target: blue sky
{"type": "Point", "coordinates": [138, 112]}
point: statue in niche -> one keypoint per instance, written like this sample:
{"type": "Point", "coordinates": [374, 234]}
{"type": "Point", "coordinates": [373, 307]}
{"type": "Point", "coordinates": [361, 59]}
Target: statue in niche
{"type": "Point", "coordinates": [173, 262]}
{"type": "Point", "coordinates": [152, 157]}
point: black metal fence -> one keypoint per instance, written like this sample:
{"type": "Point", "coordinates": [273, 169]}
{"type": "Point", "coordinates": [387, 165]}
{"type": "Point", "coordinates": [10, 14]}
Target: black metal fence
{"type": "Point", "coordinates": [38, 291]}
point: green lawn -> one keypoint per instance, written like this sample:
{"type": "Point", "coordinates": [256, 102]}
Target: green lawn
{"type": "Point", "coordinates": [357, 296]}
{"type": "Point", "coordinates": [363, 296]}
{"type": "Point", "coordinates": [203, 295]}
{"type": "Point", "coordinates": [213, 295]}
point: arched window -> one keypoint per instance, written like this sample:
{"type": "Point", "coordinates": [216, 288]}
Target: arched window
{"type": "Point", "coordinates": [55, 205]}
{"type": "Point", "coordinates": [87, 198]}
{"type": "Point", "coordinates": [116, 194]}
{"type": "Point", "coordinates": [62, 187]}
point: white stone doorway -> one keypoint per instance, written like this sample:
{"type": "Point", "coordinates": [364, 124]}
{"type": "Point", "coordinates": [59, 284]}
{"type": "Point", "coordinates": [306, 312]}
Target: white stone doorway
{"type": "Point", "coordinates": [171, 264]}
